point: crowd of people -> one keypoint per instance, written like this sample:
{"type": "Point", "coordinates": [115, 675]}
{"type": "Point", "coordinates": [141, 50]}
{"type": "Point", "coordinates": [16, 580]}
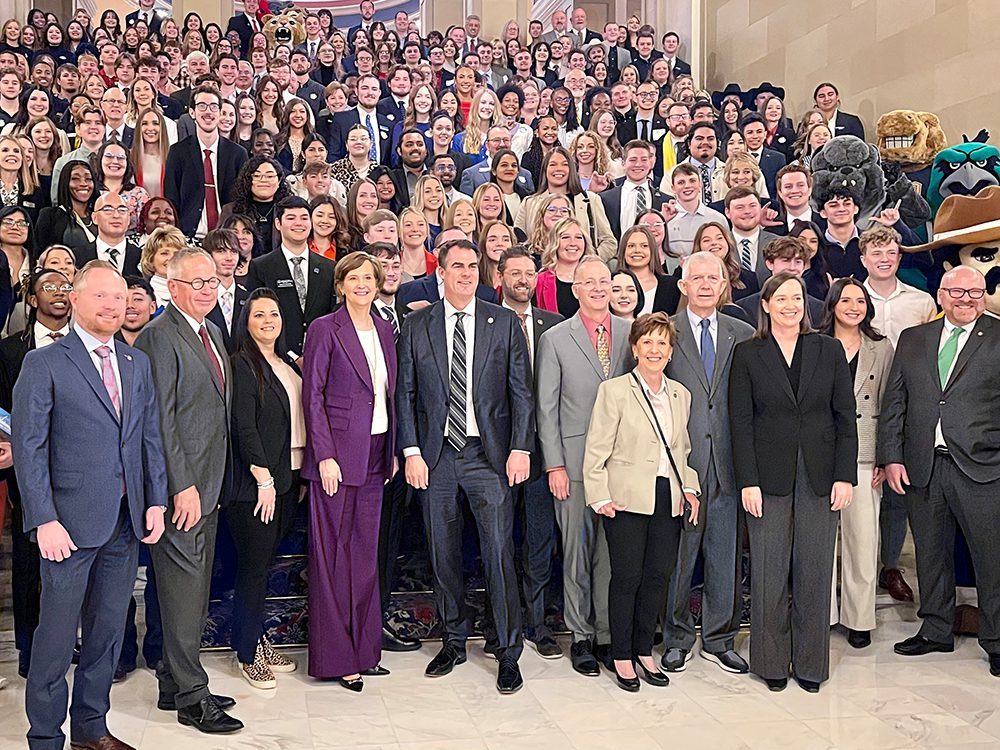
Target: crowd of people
{"type": "Point", "coordinates": [544, 279]}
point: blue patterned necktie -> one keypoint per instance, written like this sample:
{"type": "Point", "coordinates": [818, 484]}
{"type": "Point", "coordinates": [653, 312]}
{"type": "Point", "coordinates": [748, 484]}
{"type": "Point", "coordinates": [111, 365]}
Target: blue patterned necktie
{"type": "Point", "coordinates": [372, 153]}
{"type": "Point", "coordinates": [707, 349]}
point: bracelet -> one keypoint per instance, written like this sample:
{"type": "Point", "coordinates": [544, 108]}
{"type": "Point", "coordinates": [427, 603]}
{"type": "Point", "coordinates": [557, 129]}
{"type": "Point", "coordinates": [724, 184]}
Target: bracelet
{"type": "Point", "coordinates": [266, 485]}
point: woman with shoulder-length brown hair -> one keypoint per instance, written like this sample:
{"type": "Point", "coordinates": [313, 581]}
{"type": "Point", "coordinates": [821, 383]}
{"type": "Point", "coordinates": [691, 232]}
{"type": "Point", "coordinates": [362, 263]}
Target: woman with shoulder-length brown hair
{"type": "Point", "coordinates": [636, 476]}
{"type": "Point", "coordinates": [795, 450]}
{"type": "Point", "coordinates": [717, 239]}
{"type": "Point", "coordinates": [637, 253]}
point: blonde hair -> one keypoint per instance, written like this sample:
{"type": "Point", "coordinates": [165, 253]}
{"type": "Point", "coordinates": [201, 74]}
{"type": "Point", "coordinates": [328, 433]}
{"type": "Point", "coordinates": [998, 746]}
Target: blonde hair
{"type": "Point", "coordinates": [551, 249]}
{"type": "Point", "coordinates": [741, 160]}
{"type": "Point", "coordinates": [27, 174]}
{"type": "Point", "coordinates": [159, 238]}
{"type": "Point", "coordinates": [539, 234]}
{"type": "Point", "coordinates": [475, 135]}
{"type": "Point", "coordinates": [417, 198]}
{"type": "Point", "coordinates": [449, 214]}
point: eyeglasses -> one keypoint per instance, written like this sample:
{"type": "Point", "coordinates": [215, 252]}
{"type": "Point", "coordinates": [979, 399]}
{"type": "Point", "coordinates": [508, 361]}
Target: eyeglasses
{"type": "Point", "coordinates": [956, 293]}
{"type": "Point", "coordinates": [679, 118]}
{"type": "Point", "coordinates": [592, 283]}
{"type": "Point", "coordinates": [53, 288]}
{"type": "Point", "coordinates": [112, 210]}
{"type": "Point", "coordinates": [15, 223]}
{"type": "Point", "coordinates": [197, 284]}
{"type": "Point", "coordinates": [501, 140]}
{"type": "Point", "coordinates": [205, 107]}
{"type": "Point", "coordinates": [646, 95]}
{"type": "Point", "coordinates": [444, 169]}
{"type": "Point", "coordinates": [263, 176]}
{"type": "Point", "coordinates": [557, 211]}
{"type": "Point", "coordinates": [116, 157]}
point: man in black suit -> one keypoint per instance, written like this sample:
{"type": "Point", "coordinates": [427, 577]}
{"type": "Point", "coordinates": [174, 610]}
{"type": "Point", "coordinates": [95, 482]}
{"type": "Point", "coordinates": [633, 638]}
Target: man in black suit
{"type": "Point", "coordinates": [369, 92]}
{"type": "Point", "coordinates": [147, 14]}
{"type": "Point", "coordinates": [245, 24]}
{"type": "Point", "coordinates": [111, 214]}
{"type": "Point", "coordinates": [625, 202]}
{"type": "Point", "coordinates": [671, 42]}
{"type": "Point", "coordinates": [49, 303]}
{"type": "Point", "coordinates": [393, 107]}
{"type": "Point", "coordinates": [645, 52]}
{"type": "Point", "coordinates": [537, 513]}
{"type": "Point", "coordinates": [113, 107]}
{"type": "Point", "coordinates": [944, 457]}
{"type": "Point", "coordinates": [482, 446]}
{"type": "Point", "coordinates": [827, 99]}
{"type": "Point", "coordinates": [783, 255]}
{"type": "Point", "coordinates": [581, 34]}
{"type": "Point", "coordinates": [367, 11]}
{"type": "Point", "coordinates": [743, 209]}
{"type": "Point", "coordinates": [303, 280]}
{"type": "Point", "coordinates": [754, 132]}
{"type": "Point", "coordinates": [412, 153]}
{"type": "Point", "coordinates": [643, 122]}
{"type": "Point", "coordinates": [198, 65]}
{"type": "Point", "coordinates": [193, 160]}
{"type": "Point", "coordinates": [224, 248]}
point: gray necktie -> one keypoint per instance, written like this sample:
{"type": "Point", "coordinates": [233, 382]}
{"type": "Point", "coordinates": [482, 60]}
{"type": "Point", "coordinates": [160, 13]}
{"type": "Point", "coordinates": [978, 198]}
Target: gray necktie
{"type": "Point", "coordinates": [640, 201]}
{"type": "Point", "coordinates": [300, 281]}
{"type": "Point", "coordinates": [457, 385]}
{"type": "Point", "coordinates": [745, 258]}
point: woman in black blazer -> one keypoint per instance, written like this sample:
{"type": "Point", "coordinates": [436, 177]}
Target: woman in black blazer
{"type": "Point", "coordinates": [636, 254]}
{"type": "Point", "coordinates": [795, 443]}
{"type": "Point", "coordinates": [269, 438]}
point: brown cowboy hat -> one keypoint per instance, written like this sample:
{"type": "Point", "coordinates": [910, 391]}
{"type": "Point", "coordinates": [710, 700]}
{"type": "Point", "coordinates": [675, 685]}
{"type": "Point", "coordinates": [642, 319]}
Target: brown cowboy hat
{"type": "Point", "coordinates": [965, 220]}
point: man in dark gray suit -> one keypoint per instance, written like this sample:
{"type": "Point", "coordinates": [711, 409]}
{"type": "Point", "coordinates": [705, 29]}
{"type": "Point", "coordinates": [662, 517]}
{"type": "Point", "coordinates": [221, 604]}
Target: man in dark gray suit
{"type": "Point", "coordinates": [192, 377]}
{"type": "Point", "coordinates": [90, 470]}
{"type": "Point", "coordinates": [573, 359]}
{"type": "Point", "coordinates": [937, 441]}
{"type": "Point", "coordinates": [701, 361]}
{"type": "Point", "coordinates": [743, 209]}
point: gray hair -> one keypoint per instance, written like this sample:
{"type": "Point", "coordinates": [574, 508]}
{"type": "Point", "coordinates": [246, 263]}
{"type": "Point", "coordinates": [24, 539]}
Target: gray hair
{"type": "Point", "coordinates": [175, 266]}
{"type": "Point", "coordinates": [587, 260]}
{"type": "Point", "coordinates": [703, 256]}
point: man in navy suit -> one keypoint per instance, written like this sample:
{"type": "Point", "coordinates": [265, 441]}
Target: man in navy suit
{"type": "Point", "coordinates": [622, 203]}
{"type": "Point", "coordinates": [245, 24]}
{"type": "Point", "coordinates": [88, 503]}
{"type": "Point", "coordinates": [367, 9]}
{"type": "Point", "coordinates": [671, 43]}
{"type": "Point", "coordinates": [369, 93]}
{"type": "Point", "coordinates": [754, 132]}
{"type": "Point", "coordinates": [497, 137]}
{"type": "Point", "coordinates": [827, 100]}
{"type": "Point", "coordinates": [464, 404]}
{"type": "Point", "coordinates": [147, 14]}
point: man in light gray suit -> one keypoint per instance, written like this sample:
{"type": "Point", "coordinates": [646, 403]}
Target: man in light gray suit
{"type": "Point", "coordinates": [572, 361]}
{"type": "Point", "coordinates": [559, 27]}
{"type": "Point", "coordinates": [192, 377]}
{"type": "Point", "coordinates": [701, 361]}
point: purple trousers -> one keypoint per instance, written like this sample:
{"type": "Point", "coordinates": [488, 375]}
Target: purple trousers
{"type": "Point", "coordinates": [345, 612]}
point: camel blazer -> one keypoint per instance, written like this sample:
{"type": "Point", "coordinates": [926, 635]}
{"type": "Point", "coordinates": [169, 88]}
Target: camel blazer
{"type": "Point", "coordinates": [874, 362]}
{"type": "Point", "coordinates": [622, 456]}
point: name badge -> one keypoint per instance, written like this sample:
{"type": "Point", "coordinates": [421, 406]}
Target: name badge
{"type": "Point", "coordinates": [285, 284]}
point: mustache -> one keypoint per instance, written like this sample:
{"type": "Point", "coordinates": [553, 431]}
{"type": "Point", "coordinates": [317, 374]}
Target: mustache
{"type": "Point", "coordinates": [992, 279]}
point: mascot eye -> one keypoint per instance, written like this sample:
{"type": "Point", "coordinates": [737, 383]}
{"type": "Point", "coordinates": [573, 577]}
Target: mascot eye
{"type": "Point", "coordinates": [981, 163]}
{"type": "Point", "coordinates": [953, 166]}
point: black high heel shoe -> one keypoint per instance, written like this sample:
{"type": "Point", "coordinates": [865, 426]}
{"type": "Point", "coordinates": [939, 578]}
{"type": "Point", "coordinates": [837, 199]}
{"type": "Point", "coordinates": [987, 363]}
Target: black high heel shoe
{"type": "Point", "coordinates": [355, 686]}
{"type": "Point", "coordinates": [655, 678]}
{"type": "Point", "coordinates": [629, 684]}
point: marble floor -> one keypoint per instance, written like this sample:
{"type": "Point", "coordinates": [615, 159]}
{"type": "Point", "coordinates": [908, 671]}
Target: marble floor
{"type": "Point", "coordinates": [874, 700]}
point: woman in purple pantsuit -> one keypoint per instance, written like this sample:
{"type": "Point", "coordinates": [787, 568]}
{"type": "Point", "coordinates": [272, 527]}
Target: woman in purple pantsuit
{"type": "Point", "coordinates": [348, 380]}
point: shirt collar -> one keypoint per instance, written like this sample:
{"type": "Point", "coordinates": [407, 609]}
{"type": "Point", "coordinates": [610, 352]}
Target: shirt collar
{"type": "Point", "coordinates": [696, 321]}
{"type": "Point", "coordinates": [195, 325]}
{"type": "Point", "coordinates": [831, 238]}
{"type": "Point", "coordinates": [90, 342]}
{"type": "Point", "coordinates": [591, 325]}
{"type": "Point", "coordinates": [120, 247]}
{"type": "Point", "coordinates": [450, 309]}
{"type": "Point", "coordinates": [214, 148]}
{"type": "Point", "coordinates": [949, 326]}
{"type": "Point", "coordinates": [289, 255]}
{"type": "Point", "coordinates": [645, 386]}
{"type": "Point", "coordinates": [40, 331]}
{"type": "Point", "coordinates": [527, 313]}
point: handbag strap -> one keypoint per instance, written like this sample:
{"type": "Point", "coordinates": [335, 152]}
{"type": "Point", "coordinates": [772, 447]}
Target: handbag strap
{"type": "Point", "coordinates": [659, 431]}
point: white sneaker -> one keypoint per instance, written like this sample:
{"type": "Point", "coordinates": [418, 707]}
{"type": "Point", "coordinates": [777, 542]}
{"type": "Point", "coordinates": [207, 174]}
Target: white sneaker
{"type": "Point", "coordinates": [259, 674]}
{"type": "Point", "coordinates": [3, 682]}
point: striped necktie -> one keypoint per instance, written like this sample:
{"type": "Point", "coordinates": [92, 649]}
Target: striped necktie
{"type": "Point", "coordinates": [457, 387]}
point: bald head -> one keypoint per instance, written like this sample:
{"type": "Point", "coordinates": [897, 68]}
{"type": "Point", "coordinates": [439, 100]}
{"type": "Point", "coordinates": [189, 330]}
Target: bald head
{"type": "Point", "coordinates": [111, 214]}
{"type": "Point", "coordinates": [962, 295]}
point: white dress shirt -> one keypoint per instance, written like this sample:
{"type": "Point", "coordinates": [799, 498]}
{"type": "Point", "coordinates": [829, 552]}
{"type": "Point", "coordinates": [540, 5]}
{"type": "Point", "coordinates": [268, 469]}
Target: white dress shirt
{"type": "Point", "coordinates": [529, 322]}
{"type": "Point", "coordinates": [963, 339]}
{"type": "Point", "coordinates": [713, 329]}
{"type": "Point", "coordinates": [104, 252]}
{"type": "Point", "coordinates": [118, 132]}
{"type": "Point", "coordinates": [469, 324]}
{"type": "Point", "coordinates": [904, 308]}
{"type": "Point", "coordinates": [202, 229]}
{"type": "Point", "coordinates": [231, 291]}
{"type": "Point", "coordinates": [629, 208]}
{"type": "Point", "coordinates": [42, 335]}
{"type": "Point", "coordinates": [91, 344]}
{"type": "Point", "coordinates": [754, 238]}
{"type": "Point", "coordinates": [196, 327]}
{"type": "Point", "coordinates": [806, 215]}
{"type": "Point", "coordinates": [371, 345]}
{"type": "Point", "coordinates": [291, 266]}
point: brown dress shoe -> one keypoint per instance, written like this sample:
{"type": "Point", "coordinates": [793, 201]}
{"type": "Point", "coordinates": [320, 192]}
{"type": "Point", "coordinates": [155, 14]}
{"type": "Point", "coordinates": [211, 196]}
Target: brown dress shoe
{"type": "Point", "coordinates": [892, 580]}
{"type": "Point", "coordinates": [107, 742]}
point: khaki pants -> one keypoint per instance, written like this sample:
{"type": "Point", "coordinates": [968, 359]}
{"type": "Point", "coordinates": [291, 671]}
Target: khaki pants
{"type": "Point", "coordinates": [859, 546]}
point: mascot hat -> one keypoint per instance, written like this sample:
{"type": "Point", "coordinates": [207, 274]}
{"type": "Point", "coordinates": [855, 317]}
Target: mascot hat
{"type": "Point", "coordinates": [965, 220]}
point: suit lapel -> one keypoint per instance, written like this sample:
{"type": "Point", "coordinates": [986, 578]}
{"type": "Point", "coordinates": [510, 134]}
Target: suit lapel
{"type": "Point", "coordinates": [776, 364]}
{"type": "Point", "coordinates": [579, 335]}
{"type": "Point", "coordinates": [810, 361]}
{"type": "Point", "coordinates": [689, 349]}
{"type": "Point", "coordinates": [726, 342]}
{"type": "Point", "coordinates": [80, 357]}
{"type": "Point", "coordinates": [976, 336]}
{"type": "Point", "coordinates": [194, 341]}
{"type": "Point", "coordinates": [866, 363]}
{"type": "Point", "coordinates": [348, 336]}
{"type": "Point", "coordinates": [438, 340]}
{"type": "Point", "coordinates": [932, 343]}
{"type": "Point", "coordinates": [485, 326]}
{"type": "Point", "coordinates": [126, 370]}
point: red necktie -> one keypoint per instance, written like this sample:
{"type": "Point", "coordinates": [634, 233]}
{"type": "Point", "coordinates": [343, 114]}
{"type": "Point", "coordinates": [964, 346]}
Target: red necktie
{"type": "Point", "coordinates": [203, 332]}
{"type": "Point", "coordinates": [211, 199]}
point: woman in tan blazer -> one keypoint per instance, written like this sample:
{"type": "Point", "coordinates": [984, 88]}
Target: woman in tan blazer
{"type": "Point", "coordinates": [642, 491]}
{"type": "Point", "coordinates": [848, 318]}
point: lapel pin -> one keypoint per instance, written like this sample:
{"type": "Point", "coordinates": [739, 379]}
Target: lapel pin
{"type": "Point", "coordinates": [489, 320]}
{"type": "Point", "coordinates": [128, 357]}
{"type": "Point", "coordinates": [979, 333]}
{"type": "Point", "coordinates": [316, 270]}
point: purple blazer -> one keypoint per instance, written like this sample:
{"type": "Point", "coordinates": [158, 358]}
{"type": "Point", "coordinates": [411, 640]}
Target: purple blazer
{"type": "Point", "coordinates": [338, 397]}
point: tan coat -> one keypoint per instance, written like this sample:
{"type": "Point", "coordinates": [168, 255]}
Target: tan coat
{"type": "Point", "coordinates": [586, 206]}
{"type": "Point", "coordinates": [623, 447]}
{"type": "Point", "coordinates": [874, 362]}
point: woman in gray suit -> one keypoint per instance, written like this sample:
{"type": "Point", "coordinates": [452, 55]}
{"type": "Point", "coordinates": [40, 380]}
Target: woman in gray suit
{"type": "Point", "coordinates": [636, 475]}
{"type": "Point", "coordinates": [848, 318]}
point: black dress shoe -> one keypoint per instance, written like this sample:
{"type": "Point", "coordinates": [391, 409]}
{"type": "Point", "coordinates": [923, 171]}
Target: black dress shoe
{"type": "Point", "coordinates": [995, 665]}
{"type": "Point", "coordinates": [491, 646]}
{"type": "Point", "coordinates": [602, 652]}
{"type": "Point", "coordinates": [167, 703]}
{"type": "Point", "coordinates": [121, 672]}
{"type": "Point", "coordinates": [581, 653]}
{"type": "Point", "coordinates": [655, 678]}
{"type": "Point", "coordinates": [208, 717]}
{"type": "Point", "coordinates": [398, 643]}
{"type": "Point", "coordinates": [918, 646]}
{"type": "Point", "coordinates": [23, 664]}
{"type": "Point", "coordinates": [445, 661]}
{"type": "Point", "coordinates": [355, 686]}
{"type": "Point", "coordinates": [547, 647]}
{"type": "Point", "coordinates": [509, 678]}
{"type": "Point", "coordinates": [776, 686]}
{"type": "Point", "coordinates": [377, 671]}
{"type": "Point", "coordinates": [629, 684]}
{"type": "Point", "coordinates": [808, 685]}
{"type": "Point", "coordinates": [859, 638]}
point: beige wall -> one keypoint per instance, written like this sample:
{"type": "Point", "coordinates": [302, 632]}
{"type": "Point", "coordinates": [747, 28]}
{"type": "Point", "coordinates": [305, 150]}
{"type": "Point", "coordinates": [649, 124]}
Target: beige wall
{"type": "Point", "coordinates": [936, 55]}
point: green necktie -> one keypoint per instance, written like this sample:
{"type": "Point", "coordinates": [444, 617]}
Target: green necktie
{"type": "Point", "coordinates": [947, 355]}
